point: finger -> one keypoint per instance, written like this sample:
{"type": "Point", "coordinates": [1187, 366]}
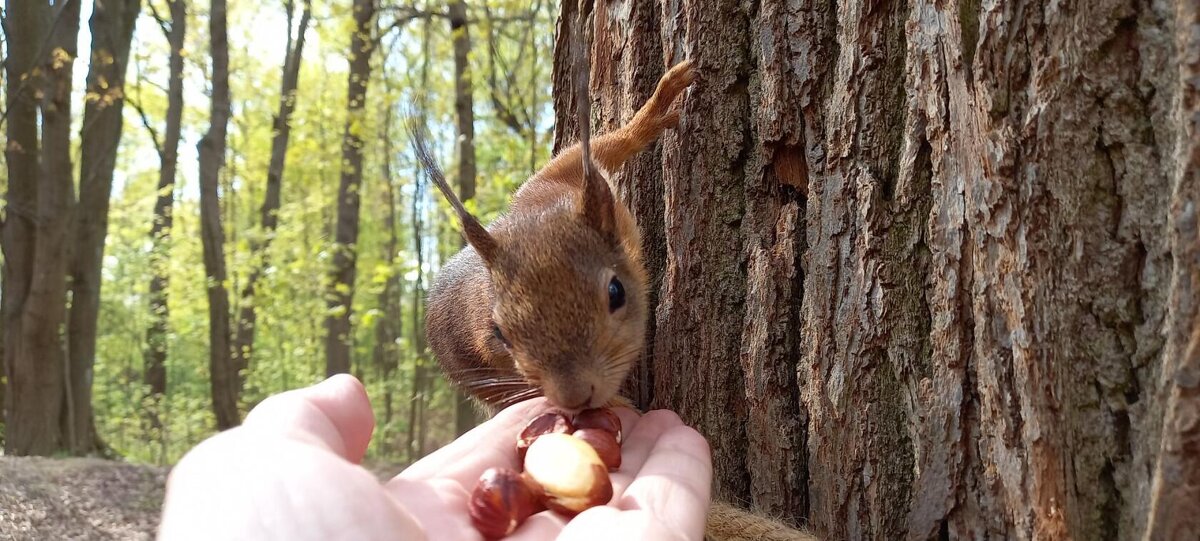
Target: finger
{"type": "Point", "coordinates": [629, 418]}
{"type": "Point", "coordinates": [637, 446]}
{"type": "Point", "coordinates": [491, 444]}
{"type": "Point", "coordinates": [428, 502]}
{"type": "Point", "coordinates": [335, 414]}
{"type": "Point", "coordinates": [604, 523]}
{"type": "Point", "coordinates": [540, 526]}
{"type": "Point", "coordinates": [241, 484]}
{"type": "Point", "coordinates": [674, 483]}
{"type": "Point", "coordinates": [624, 475]}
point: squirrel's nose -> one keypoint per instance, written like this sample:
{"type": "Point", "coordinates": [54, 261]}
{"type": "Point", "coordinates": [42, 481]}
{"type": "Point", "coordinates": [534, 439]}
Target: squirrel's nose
{"type": "Point", "coordinates": [572, 397]}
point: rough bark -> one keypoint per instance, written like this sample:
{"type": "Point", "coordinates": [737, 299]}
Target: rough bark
{"type": "Point", "coordinates": [112, 27]}
{"type": "Point", "coordinates": [212, 160]}
{"type": "Point", "coordinates": [337, 324]}
{"type": "Point", "coordinates": [243, 343]}
{"type": "Point", "coordinates": [3, 371]}
{"type": "Point", "coordinates": [42, 40]}
{"type": "Point", "coordinates": [465, 417]}
{"type": "Point", "coordinates": [155, 369]}
{"type": "Point", "coordinates": [1175, 488]}
{"type": "Point", "coordinates": [944, 253]}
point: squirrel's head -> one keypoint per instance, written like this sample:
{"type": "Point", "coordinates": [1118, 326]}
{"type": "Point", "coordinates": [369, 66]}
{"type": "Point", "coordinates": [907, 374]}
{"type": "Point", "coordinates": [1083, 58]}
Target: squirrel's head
{"type": "Point", "coordinates": [570, 306]}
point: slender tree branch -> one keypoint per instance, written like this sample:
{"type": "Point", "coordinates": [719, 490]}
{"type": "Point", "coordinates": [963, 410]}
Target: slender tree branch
{"type": "Point", "coordinates": [162, 23]}
{"type": "Point", "coordinates": [137, 105]}
{"type": "Point", "coordinates": [510, 109]}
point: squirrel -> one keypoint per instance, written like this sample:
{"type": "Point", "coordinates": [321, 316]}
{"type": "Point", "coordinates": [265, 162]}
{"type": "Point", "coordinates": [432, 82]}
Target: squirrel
{"type": "Point", "coordinates": [551, 298]}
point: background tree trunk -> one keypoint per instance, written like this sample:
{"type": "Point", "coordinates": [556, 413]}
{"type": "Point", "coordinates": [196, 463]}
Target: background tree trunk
{"type": "Point", "coordinates": [419, 385]}
{"type": "Point", "coordinates": [212, 160]}
{"type": "Point", "coordinates": [112, 32]}
{"type": "Point", "coordinates": [42, 42]}
{"type": "Point", "coordinates": [389, 327]}
{"type": "Point", "coordinates": [341, 294]}
{"type": "Point", "coordinates": [243, 343]}
{"type": "Point", "coordinates": [465, 415]}
{"type": "Point", "coordinates": [160, 231]}
{"type": "Point", "coordinates": [927, 269]}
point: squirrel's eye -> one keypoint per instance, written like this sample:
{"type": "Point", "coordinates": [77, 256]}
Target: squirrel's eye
{"type": "Point", "coordinates": [616, 295]}
{"type": "Point", "coordinates": [500, 336]}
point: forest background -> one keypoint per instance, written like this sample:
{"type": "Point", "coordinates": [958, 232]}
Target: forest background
{"type": "Point", "coordinates": [297, 153]}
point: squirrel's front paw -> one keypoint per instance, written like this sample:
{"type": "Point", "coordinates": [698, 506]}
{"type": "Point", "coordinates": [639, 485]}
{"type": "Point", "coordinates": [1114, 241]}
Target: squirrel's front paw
{"type": "Point", "coordinates": [670, 86]}
{"type": "Point", "coordinates": [679, 77]}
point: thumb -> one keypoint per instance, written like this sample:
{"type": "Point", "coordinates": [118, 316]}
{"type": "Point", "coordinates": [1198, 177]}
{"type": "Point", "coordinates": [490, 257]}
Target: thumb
{"type": "Point", "coordinates": [335, 414]}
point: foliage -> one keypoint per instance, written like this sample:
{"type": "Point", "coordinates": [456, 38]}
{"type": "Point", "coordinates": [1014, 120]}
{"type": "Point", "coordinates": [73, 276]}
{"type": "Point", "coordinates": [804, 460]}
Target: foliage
{"type": "Point", "coordinates": [289, 346]}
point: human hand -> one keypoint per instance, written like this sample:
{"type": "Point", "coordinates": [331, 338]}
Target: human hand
{"type": "Point", "coordinates": [291, 472]}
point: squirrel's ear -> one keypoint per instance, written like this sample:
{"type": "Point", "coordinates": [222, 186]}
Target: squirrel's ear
{"type": "Point", "coordinates": [597, 205]}
{"type": "Point", "coordinates": [478, 237]}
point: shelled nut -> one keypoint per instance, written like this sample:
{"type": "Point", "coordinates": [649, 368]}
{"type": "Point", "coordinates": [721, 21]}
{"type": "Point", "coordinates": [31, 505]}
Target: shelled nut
{"type": "Point", "coordinates": [604, 443]}
{"type": "Point", "coordinates": [601, 418]}
{"type": "Point", "coordinates": [546, 423]}
{"type": "Point", "coordinates": [570, 472]}
{"type": "Point", "coordinates": [501, 501]}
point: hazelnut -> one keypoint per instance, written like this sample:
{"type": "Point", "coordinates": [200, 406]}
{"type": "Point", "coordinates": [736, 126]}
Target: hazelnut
{"type": "Point", "coordinates": [570, 473]}
{"type": "Point", "coordinates": [602, 418]}
{"type": "Point", "coordinates": [546, 423]}
{"type": "Point", "coordinates": [604, 443]}
{"type": "Point", "coordinates": [500, 502]}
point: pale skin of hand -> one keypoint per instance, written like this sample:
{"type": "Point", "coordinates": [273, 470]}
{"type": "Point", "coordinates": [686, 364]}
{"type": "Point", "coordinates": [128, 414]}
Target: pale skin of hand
{"type": "Point", "coordinates": [291, 471]}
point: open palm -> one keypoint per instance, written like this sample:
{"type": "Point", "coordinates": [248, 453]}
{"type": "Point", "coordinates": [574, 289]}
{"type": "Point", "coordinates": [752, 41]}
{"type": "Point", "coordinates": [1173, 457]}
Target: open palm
{"type": "Point", "coordinates": [291, 472]}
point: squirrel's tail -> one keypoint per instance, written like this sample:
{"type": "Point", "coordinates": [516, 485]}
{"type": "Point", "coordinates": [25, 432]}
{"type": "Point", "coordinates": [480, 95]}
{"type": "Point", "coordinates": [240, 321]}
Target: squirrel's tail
{"type": "Point", "coordinates": [729, 523]}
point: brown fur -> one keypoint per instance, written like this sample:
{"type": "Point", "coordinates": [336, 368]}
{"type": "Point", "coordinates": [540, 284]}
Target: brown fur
{"type": "Point", "coordinates": [545, 281]}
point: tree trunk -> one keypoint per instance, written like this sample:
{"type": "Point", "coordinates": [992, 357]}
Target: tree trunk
{"type": "Point", "coordinates": [465, 417]}
{"type": "Point", "coordinates": [160, 230]}
{"type": "Point", "coordinates": [1175, 485]}
{"type": "Point", "coordinates": [112, 32]}
{"type": "Point", "coordinates": [3, 363]}
{"type": "Point", "coordinates": [42, 41]}
{"type": "Point", "coordinates": [212, 159]}
{"type": "Point", "coordinates": [944, 253]}
{"type": "Point", "coordinates": [339, 336]}
{"type": "Point", "coordinates": [417, 399]}
{"type": "Point", "coordinates": [388, 328]}
{"type": "Point", "coordinates": [243, 343]}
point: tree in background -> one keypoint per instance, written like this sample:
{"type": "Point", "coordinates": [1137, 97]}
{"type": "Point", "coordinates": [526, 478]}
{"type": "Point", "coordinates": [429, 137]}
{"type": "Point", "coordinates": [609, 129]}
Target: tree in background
{"type": "Point", "coordinates": [112, 26]}
{"type": "Point", "coordinates": [515, 101]}
{"type": "Point", "coordinates": [464, 113]}
{"type": "Point", "coordinates": [42, 46]}
{"type": "Point", "coordinates": [211, 150]}
{"type": "Point", "coordinates": [923, 269]}
{"type": "Point", "coordinates": [420, 386]}
{"type": "Point", "coordinates": [341, 285]}
{"type": "Point", "coordinates": [174, 30]}
{"type": "Point", "coordinates": [243, 342]}
{"type": "Point", "coordinates": [389, 327]}
{"type": "Point", "coordinates": [140, 344]}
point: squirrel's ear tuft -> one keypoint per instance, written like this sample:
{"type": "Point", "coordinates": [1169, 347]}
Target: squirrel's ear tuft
{"type": "Point", "coordinates": [478, 237]}
{"type": "Point", "coordinates": [597, 205]}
